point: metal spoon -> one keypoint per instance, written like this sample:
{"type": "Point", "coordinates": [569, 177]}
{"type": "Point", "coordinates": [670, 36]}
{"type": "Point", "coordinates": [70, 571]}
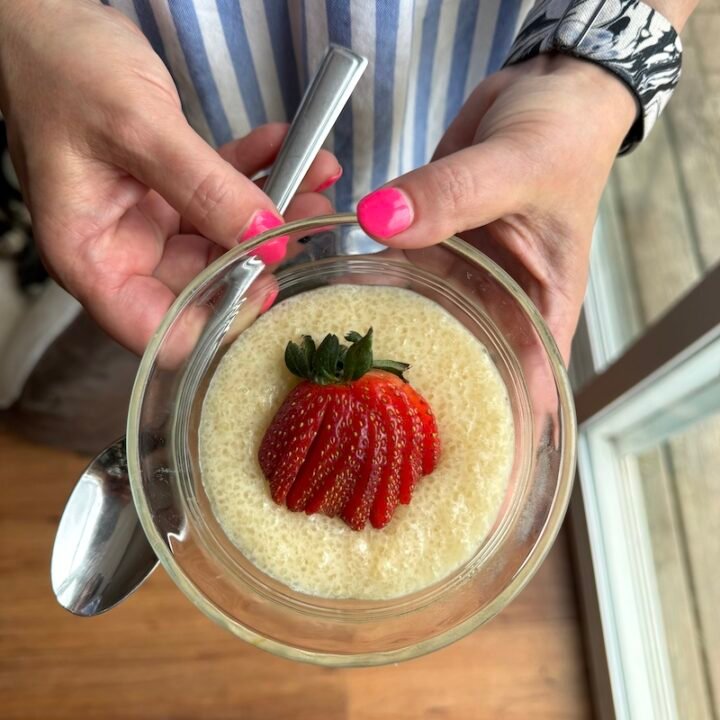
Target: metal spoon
{"type": "Point", "coordinates": [101, 554]}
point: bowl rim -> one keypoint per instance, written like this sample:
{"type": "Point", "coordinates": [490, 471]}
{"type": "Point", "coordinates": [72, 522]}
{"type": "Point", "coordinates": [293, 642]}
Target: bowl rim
{"type": "Point", "coordinates": [566, 467]}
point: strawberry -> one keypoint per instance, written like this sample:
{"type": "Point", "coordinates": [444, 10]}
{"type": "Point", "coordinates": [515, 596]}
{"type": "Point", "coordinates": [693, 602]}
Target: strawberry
{"type": "Point", "coordinates": [353, 438]}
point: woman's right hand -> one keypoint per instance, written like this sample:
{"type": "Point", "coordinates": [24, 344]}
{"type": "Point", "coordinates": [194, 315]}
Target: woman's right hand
{"type": "Point", "coordinates": [128, 203]}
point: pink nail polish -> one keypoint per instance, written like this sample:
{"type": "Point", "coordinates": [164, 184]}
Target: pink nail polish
{"type": "Point", "coordinates": [330, 181]}
{"type": "Point", "coordinates": [269, 300]}
{"type": "Point", "coordinates": [273, 250]}
{"type": "Point", "coordinates": [262, 221]}
{"type": "Point", "coordinates": [385, 213]}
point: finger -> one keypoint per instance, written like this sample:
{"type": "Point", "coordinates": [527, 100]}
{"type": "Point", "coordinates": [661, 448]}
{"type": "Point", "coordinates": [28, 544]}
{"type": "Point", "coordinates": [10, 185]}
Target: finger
{"type": "Point", "coordinates": [307, 205]}
{"type": "Point", "coordinates": [112, 276]}
{"type": "Point", "coordinates": [205, 189]}
{"type": "Point", "coordinates": [132, 310]}
{"type": "Point", "coordinates": [186, 255]}
{"type": "Point", "coordinates": [274, 249]}
{"type": "Point", "coordinates": [304, 205]}
{"type": "Point", "coordinates": [258, 150]}
{"type": "Point", "coordinates": [323, 174]}
{"type": "Point", "coordinates": [183, 258]}
{"type": "Point", "coordinates": [255, 151]}
{"type": "Point", "coordinates": [460, 191]}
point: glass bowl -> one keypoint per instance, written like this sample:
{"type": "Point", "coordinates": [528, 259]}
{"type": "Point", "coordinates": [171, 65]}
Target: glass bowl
{"type": "Point", "coordinates": [162, 446]}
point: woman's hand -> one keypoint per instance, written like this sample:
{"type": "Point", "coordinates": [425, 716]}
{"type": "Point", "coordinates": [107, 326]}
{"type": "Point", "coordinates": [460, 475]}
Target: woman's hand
{"type": "Point", "coordinates": [519, 173]}
{"type": "Point", "coordinates": [128, 202]}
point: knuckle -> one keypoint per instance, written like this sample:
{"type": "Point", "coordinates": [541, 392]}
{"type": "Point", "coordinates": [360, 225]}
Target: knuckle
{"type": "Point", "coordinates": [213, 192]}
{"type": "Point", "coordinates": [454, 186]}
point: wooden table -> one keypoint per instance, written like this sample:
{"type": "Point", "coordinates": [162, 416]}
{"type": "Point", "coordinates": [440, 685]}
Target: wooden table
{"type": "Point", "coordinates": [158, 657]}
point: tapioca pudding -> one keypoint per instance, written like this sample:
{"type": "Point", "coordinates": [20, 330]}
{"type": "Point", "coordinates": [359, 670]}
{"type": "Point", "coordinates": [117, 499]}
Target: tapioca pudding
{"type": "Point", "coordinates": [452, 509]}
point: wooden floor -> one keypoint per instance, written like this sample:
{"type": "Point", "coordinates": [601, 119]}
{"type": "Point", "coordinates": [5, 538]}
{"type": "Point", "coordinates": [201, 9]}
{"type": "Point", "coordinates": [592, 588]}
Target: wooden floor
{"type": "Point", "coordinates": [157, 657]}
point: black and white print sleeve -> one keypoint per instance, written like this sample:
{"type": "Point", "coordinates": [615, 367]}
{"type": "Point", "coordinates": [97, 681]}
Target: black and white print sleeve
{"type": "Point", "coordinates": [627, 37]}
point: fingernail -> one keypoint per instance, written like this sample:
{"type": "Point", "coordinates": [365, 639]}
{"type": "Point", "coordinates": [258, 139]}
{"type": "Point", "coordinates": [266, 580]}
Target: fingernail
{"type": "Point", "coordinates": [273, 250]}
{"type": "Point", "coordinates": [262, 221]}
{"type": "Point", "coordinates": [269, 300]}
{"type": "Point", "coordinates": [385, 212]}
{"type": "Point", "coordinates": [330, 181]}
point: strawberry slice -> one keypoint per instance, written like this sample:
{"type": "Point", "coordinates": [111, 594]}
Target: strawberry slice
{"type": "Point", "coordinates": [288, 439]}
{"type": "Point", "coordinates": [357, 509]}
{"type": "Point", "coordinates": [326, 449]}
{"type": "Point", "coordinates": [412, 457]}
{"type": "Point", "coordinates": [331, 498]}
{"type": "Point", "coordinates": [352, 439]}
{"type": "Point", "coordinates": [430, 435]}
{"type": "Point", "coordinates": [387, 494]}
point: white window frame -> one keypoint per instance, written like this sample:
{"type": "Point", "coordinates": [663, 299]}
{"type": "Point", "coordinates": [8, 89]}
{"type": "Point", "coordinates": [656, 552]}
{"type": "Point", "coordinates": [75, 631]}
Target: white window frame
{"type": "Point", "coordinates": [675, 363]}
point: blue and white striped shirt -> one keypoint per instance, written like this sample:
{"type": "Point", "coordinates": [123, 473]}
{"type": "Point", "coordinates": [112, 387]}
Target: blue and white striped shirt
{"type": "Point", "coordinates": [241, 63]}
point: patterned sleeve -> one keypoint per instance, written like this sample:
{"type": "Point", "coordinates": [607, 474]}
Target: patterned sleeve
{"type": "Point", "coordinates": [627, 37]}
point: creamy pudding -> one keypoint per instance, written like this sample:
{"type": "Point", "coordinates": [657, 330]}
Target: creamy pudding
{"type": "Point", "coordinates": [452, 510]}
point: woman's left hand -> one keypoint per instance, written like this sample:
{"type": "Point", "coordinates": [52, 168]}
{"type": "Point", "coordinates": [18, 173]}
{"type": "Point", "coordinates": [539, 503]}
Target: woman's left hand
{"type": "Point", "coordinates": [519, 174]}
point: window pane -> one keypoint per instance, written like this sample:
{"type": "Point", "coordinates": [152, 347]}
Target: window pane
{"type": "Point", "coordinates": [659, 226]}
{"type": "Point", "coordinates": [680, 481]}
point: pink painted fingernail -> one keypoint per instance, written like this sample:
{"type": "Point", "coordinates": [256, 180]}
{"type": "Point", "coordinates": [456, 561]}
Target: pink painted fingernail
{"type": "Point", "coordinates": [273, 250]}
{"type": "Point", "coordinates": [262, 221]}
{"type": "Point", "coordinates": [269, 300]}
{"type": "Point", "coordinates": [385, 213]}
{"type": "Point", "coordinates": [330, 181]}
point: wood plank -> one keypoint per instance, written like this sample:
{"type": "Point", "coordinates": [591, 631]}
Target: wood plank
{"type": "Point", "coordinates": [655, 224]}
{"type": "Point", "coordinates": [705, 7]}
{"type": "Point", "coordinates": [696, 459]}
{"type": "Point", "coordinates": [684, 644]}
{"type": "Point", "coordinates": [155, 656]}
{"type": "Point", "coordinates": [693, 118]}
{"type": "Point", "coordinates": [713, 84]}
{"type": "Point", "coordinates": [705, 27]}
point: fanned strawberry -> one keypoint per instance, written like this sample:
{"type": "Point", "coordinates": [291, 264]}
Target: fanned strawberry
{"type": "Point", "coordinates": [353, 438]}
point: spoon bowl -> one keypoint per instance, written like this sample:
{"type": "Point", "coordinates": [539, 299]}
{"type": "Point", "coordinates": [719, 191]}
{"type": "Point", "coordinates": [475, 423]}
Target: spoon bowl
{"type": "Point", "coordinates": [101, 554]}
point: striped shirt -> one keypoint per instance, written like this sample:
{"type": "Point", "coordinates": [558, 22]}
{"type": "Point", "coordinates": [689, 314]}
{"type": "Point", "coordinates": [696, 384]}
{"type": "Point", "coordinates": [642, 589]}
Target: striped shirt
{"type": "Point", "coordinates": [241, 63]}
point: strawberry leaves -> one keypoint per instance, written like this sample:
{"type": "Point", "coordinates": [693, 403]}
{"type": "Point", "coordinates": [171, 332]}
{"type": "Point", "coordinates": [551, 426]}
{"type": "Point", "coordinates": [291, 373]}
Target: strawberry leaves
{"type": "Point", "coordinates": [331, 362]}
{"type": "Point", "coordinates": [300, 359]}
{"type": "Point", "coordinates": [392, 366]}
{"type": "Point", "coordinates": [296, 360]}
{"type": "Point", "coordinates": [359, 357]}
{"type": "Point", "coordinates": [324, 364]}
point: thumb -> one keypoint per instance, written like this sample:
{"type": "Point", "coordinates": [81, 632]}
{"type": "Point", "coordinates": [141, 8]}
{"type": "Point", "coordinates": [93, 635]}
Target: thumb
{"type": "Point", "coordinates": [206, 190]}
{"type": "Point", "coordinates": [458, 192]}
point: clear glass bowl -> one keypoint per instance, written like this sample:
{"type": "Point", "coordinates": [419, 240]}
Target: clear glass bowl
{"type": "Point", "coordinates": [162, 447]}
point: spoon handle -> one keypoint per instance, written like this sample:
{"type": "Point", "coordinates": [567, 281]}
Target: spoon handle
{"type": "Point", "coordinates": [323, 101]}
